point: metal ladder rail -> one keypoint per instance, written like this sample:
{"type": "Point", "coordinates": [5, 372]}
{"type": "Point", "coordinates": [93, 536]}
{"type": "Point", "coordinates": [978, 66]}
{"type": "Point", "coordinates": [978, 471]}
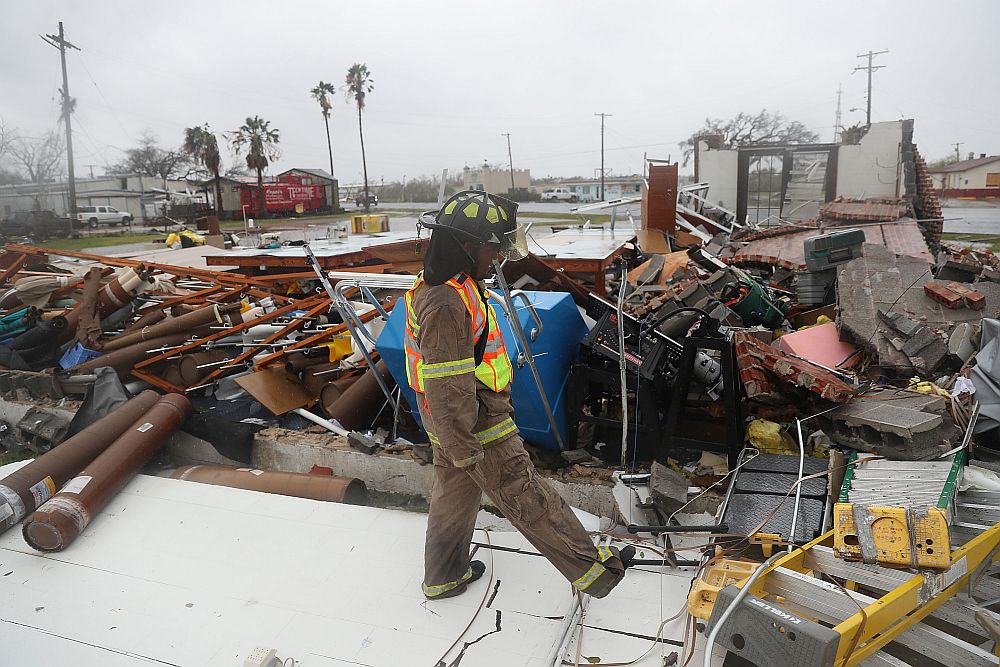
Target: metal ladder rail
{"type": "Point", "coordinates": [887, 618]}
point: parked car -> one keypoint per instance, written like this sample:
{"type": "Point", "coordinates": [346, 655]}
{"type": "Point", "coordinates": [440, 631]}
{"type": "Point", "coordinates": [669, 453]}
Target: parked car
{"type": "Point", "coordinates": [92, 216]}
{"type": "Point", "coordinates": [559, 194]}
{"type": "Point", "coordinates": [36, 224]}
{"type": "Point", "coordinates": [359, 200]}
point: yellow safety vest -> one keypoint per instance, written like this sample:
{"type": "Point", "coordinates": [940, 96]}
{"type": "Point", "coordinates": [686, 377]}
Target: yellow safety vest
{"type": "Point", "coordinates": [494, 370]}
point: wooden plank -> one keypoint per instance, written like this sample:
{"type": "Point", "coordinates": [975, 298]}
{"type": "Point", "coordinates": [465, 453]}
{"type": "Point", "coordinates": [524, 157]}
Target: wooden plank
{"type": "Point", "coordinates": [652, 241]}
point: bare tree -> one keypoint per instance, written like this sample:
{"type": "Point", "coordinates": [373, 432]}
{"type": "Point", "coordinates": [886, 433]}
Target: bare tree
{"type": "Point", "coordinates": [38, 157]}
{"type": "Point", "coordinates": [743, 129]}
{"type": "Point", "coordinates": [148, 159]}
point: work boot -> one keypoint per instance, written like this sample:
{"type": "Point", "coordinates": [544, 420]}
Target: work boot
{"type": "Point", "coordinates": [626, 556]}
{"type": "Point", "coordinates": [478, 568]}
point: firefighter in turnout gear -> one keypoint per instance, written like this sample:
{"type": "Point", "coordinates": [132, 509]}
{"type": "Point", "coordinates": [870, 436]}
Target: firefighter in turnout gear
{"type": "Point", "coordinates": [457, 363]}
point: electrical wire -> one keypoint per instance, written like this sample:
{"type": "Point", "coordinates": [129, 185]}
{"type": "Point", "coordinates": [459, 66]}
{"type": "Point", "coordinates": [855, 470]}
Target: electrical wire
{"type": "Point", "coordinates": [755, 454]}
{"type": "Point", "coordinates": [482, 603]}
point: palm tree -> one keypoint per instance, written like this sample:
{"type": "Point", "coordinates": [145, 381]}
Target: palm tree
{"type": "Point", "coordinates": [260, 143]}
{"type": "Point", "coordinates": [359, 84]}
{"type": "Point", "coordinates": [320, 93]}
{"type": "Point", "coordinates": [200, 143]}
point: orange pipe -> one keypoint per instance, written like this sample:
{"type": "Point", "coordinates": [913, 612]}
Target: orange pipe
{"type": "Point", "coordinates": [299, 485]}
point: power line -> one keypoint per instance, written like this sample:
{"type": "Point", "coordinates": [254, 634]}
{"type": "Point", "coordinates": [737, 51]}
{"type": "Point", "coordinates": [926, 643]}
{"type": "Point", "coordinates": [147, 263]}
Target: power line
{"type": "Point", "coordinates": [603, 116]}
{"type": "Point", "coordinates": [870, 68]}
{"type": "Point", "coordinates": [507, 134]}
{"type": "Point", "coordinates": [59, 42]}
{"type": "Point", "coordinates": [836, 122]}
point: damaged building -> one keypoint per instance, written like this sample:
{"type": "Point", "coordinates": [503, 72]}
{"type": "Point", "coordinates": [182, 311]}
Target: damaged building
{"type": "Point", "coordinates": [779, 383]}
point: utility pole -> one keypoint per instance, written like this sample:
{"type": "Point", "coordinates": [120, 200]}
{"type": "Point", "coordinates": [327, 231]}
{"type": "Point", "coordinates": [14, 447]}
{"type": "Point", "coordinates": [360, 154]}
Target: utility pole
{"type": "Point", "coordinates": [507, 134]}
{"type": "Point", "coordinates": [958, 156]}
{"type": "Point", "coordinates": [603, 116]}
{"type": "Point", "coordinates": [91, 167]}
{"type": "Point", "coordinates": [870, 68]}
{"type": "Point", "coordinates": [836, 123]}
{"type": "Point", "coordinates": [59, 42]}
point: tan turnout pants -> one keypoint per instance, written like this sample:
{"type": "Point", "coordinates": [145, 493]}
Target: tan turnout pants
{"type": "Point", "coordinates": [509, 479]}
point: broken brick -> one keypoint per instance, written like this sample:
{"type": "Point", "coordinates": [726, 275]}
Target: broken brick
{"type": "Point", "coordinates": [973, 299]}
{"type": "Point", "coordinates": [943, 295]}
{"type": "Point", "coordinates": [767, 371]}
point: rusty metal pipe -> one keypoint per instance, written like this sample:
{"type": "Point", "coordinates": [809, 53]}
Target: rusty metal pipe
{"type": "Point", "coordinates": [186, 322]}
{"type": "Point", "coordinates": [58, 522]}
{"type": "Point", "coordinates": [146, 320]}
{"type": "Point", "coordinates": [314, 378]}
{"type": "Point", "coordinates": [125, 286]}
{"type": "Point", "coordinates": [332, 391]}
{"type": "Point", "coordinates": [300, 485]}
{"type": "Point", "coordinates": [124, 359]}
{"type": "Point", "coordinates": [297, 362]}
{"type": "Point", "coordinates": [186, 372]}
{"type": "Point", "coordinates": [25, 489]}
{"type": "Point", "coordinates": [359, 404]}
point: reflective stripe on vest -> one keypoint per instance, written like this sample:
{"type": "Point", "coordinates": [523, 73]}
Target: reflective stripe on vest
{"type": "Point", "coordinates": [494, 371]}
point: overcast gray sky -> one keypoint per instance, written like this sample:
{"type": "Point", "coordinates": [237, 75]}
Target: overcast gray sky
{"type": "Point", "coordinates": [451, 76]}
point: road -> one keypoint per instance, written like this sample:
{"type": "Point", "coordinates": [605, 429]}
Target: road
{"type": "Point", "coordinates": [972, 220]}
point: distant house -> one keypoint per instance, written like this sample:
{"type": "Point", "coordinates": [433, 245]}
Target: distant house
{"type": "Point", "coordinates": [589, 189]}
{"type": "Point", "coordinates": [494, 179]}
{"type": "Point", "coordinates": [126, 192]}
{"type": "Point", "coordinates": [315, 177]}
{"type": "Point", "coordinates": [977, 178]}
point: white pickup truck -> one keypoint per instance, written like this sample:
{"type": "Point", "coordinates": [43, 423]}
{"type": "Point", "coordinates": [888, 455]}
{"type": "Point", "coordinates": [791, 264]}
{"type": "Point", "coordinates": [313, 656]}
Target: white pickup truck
{"type": "Point", "coordinates": [93, 216]}
{"type": "Point", "coordinates": [559, 194]}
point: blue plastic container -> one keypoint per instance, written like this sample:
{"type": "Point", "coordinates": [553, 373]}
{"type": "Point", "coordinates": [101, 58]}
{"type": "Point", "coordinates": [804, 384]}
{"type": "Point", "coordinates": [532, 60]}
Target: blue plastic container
{"type": "Point", "coordinates": [555, 350]}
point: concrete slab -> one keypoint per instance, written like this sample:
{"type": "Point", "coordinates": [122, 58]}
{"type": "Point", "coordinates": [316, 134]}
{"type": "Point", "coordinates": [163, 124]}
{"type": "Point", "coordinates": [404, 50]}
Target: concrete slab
{"type": "Point", "coordinates": [178, 573]}
{"type": "Point", "coordinates": [892, 419]}
{"type": "Point", "coordinates": [882, 282]}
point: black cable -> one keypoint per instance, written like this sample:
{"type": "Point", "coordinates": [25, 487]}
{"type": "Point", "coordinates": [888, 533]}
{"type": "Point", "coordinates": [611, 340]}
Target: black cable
{"type": "Point", "coordinates": [686, 309]}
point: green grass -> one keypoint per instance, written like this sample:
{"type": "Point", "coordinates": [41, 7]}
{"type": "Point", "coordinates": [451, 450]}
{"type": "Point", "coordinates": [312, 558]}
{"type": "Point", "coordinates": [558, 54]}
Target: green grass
{"type": "Point", "coordinates": [10, 457]}
{"type": "Point", "coordinates": [991, 240]}
{"type": "Point", "coordinates": [88, 242]}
